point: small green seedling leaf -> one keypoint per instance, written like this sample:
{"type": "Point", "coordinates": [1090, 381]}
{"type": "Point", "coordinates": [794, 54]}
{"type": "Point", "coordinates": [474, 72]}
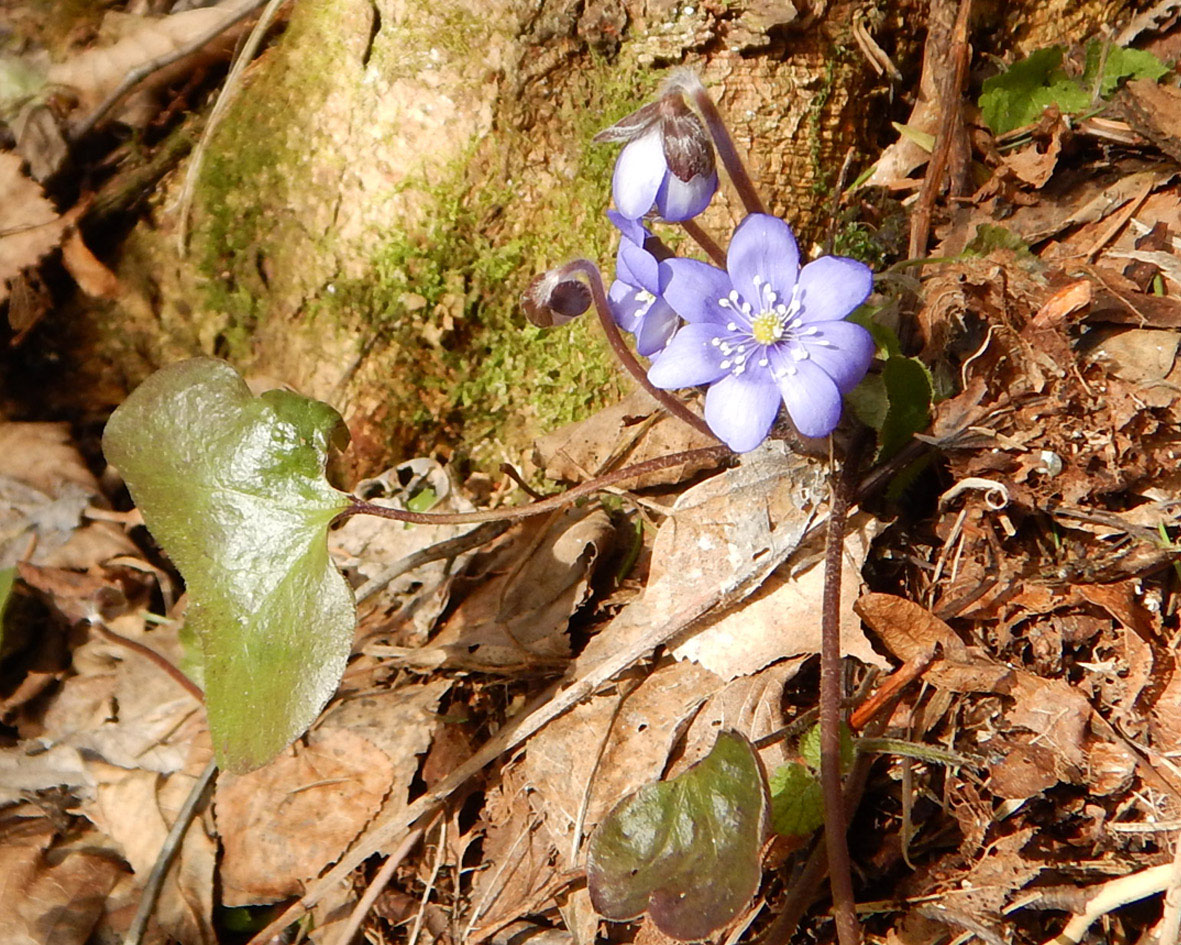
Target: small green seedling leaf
{"type": "Point", "coordinates": [1018, 95]}
{"type": "Point", "coordinates": [909, 392]}
{"type": "Point", "coordinates": [1119, 63]}
{"type": "Point", "coordinates": [809, 748]}
{"type": "Point", "coordinates": [7, 579]}
{"type": "Point", "coordinates": [686, 850]}
{"type": "Point", "coordinates": [232, 486]}
{"type": "Point", "coordinates": [797, 801]}
{"type": "Point", "coordinates": [989, 236]}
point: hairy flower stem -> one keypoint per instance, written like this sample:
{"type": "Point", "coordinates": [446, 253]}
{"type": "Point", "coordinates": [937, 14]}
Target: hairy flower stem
{"type": "Point", "coordinates": [688, 83]}
{"type": "Point", "coordinates": [706, 242]}
{"type": "Point", "coordinates": [569, 497]}
{"type": "Point", "coordinates": [835, 821]}
{"type": "Point", "coordinates": [622, 351]}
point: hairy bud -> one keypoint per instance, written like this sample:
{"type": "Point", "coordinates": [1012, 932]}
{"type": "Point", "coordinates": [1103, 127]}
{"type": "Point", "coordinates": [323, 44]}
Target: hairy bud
{"type": "Point", "coordinates": [687, 147]}
{"type": "Point", "coordinates": [551, 300]}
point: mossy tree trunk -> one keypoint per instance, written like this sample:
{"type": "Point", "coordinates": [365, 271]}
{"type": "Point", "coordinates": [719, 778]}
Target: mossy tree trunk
{"type": "Point", "coordinates": [393, 172]}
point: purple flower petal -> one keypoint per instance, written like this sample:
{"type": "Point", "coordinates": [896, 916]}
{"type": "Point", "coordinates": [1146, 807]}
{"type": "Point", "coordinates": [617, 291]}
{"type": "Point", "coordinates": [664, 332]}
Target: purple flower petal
{"type": "Point", "coordinates": [812, 398]}
{"type": "Point", "coordinates": [682, 200]}
{"type": "Point", "coordinates": [627, 308]}
{"type": "Point", "coordinates": [842, 350]}
{"type": "Point", "coordinates": [634, 230]}
{"type": "Point", "coordinates": [637, 266]}
{"type": "Point", "coordinates": [763, 247]}
{"type": "Point", "coordinates": [832, 286]}
{"type": "Point", "coordinates": [689, 359]}
{"type": "Point", "coordinates": [693, 288]}
{"type": "Point", "coordinates": [639, 172]}
{"type": "Point", "coordinates": [740, 409]}
{"type": "Point", "coordinates": [655, 328]}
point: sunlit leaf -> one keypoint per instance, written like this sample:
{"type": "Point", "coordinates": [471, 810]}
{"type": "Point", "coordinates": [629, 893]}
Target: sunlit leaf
{"type": "Point", "coordinates": [1119, 62]}
{"type": "Point", "coordinates": [1018, 95]}
{"type": "Point", "coordinates": [797, 802]}
{"type": "Point", "coordinates": [7, 577]}
{"type": "Point", "coordinates": [687, 850]}
{"type": "Point", "coordinates": [232, 487]}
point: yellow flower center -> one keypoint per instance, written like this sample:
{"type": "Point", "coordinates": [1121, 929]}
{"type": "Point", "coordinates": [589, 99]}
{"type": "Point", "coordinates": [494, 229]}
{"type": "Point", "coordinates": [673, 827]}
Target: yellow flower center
{"type": "Point", "coordinates": [766, 328]}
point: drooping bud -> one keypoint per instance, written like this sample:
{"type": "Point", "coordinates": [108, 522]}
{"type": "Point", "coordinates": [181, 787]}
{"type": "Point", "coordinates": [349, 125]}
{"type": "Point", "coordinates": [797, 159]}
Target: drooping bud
{"type": "Point", "coordinates": [552, 300]}
{"type": "Point", "coordinates": [668, 160]}
{"type": "Point", "coordinates": [687, 147]}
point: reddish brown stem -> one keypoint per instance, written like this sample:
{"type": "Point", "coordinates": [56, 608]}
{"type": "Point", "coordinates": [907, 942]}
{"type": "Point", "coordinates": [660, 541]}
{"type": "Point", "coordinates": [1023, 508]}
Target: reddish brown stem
{"type": "Point", "coordinates": [705, 241]}
{"type": "Point", "coordinates": [361, 507]}
{"type": "Point", "coordinates": [670, 403]}
{"type": "Point", "coordinates": [688, 82]}
{"type": "Point", "coordinates": [835, 822]}
{"type": "Point", "coordinates": [146, 651]}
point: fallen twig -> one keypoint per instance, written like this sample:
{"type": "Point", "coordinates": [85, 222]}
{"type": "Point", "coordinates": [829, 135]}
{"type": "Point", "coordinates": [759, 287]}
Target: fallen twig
{"type": "Point", "coordinates": [1107, 897]}
{"type": "Point", "coordinates": [168, 854]}
{"type": "Point", "coordinates": [920, 220]}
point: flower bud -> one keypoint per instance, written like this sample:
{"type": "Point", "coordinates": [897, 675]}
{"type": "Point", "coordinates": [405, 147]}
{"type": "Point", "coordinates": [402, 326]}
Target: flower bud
{"type": "Point", "coordinates": [668, 160]}
{"type": "Point", "coordinates": [551, 300]}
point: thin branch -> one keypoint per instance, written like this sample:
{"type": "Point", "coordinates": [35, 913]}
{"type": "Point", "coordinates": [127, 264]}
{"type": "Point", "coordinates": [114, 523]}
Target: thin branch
{"type": "Point", "coordinates": [920, 221]}
{"type": "Point", "coordinates": [135, 76]}
{"type": "Point", "coordinates": [168, 854]}
{"type": "Point", "coordinates": [451, 548]}
{"type": "Point", "coordinates": [228, 89]}
{"type": "Point", "coordinates": [146, 651]}
{"type": "Point", "coordinates": [380, 881]}
{"type": "Point", "coordinates": [705, 241]}
{"type": "Point", "coordinates": [553, 503]}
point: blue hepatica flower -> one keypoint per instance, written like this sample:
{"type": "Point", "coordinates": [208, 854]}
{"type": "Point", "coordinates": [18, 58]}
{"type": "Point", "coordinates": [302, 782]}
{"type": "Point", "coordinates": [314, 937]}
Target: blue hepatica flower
{"type": "Point", "coordinates": [635, 298]}
{"type": "Point", "coordinates": [766, 332]}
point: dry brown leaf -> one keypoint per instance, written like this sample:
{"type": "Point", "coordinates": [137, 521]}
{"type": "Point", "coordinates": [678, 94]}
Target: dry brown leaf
{"type": "Point", "coordinates": [1034, 164]}
{"type": "Point", "coordinates": [98, 70]}
{"type": "Point", "coordinates": [517, 853]}
{"type": "Point", "coordinates": [524, 591]}
{"type": "Point", "coordinates": [905, 628]}
{"type": "Point", "coordinates": [136, 809]}
{"type": "Point", "coordinates": [29, 225]}
{"type": "Point", "coordinates": [45, 486]}
{"type": "Point", "coordinates": [749, 704]}
{"type": "Point", "coordinates": [49, 897]}
{"type": "Point", "coordinates": [1055, 712]}
{"type": "Point", "coordinates": [638, 734]}
{"type": "Point", "coordinates": [282, 824]}
{"type": "Point", "coordinates": [782, 618]}
{"type": "Point", "coordinates": [93, 278]}
{"type": "Point", "coordinates": [632, 431]}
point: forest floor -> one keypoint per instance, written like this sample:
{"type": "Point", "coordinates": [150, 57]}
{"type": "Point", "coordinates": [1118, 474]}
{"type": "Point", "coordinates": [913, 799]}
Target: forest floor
{"type": "Point", "coordinates": [1009, 611]}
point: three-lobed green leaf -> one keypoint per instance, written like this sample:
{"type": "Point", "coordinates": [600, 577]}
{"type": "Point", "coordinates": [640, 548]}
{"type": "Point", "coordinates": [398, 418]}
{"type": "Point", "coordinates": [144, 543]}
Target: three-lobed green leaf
{"type": "Point", "coordinates": [687, 850]}
{"type": "Point", "coordinates": [232, 486]}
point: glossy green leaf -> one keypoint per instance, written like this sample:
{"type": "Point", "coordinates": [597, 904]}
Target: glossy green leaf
{"type": "Point", "coordinates": [686, 851]}
{"type": "Point", "coordinates": [232, 486]}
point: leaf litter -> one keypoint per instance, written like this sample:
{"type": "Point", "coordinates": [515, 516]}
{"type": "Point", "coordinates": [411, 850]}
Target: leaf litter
{"type": "Point", "coordinates": [577, 658]}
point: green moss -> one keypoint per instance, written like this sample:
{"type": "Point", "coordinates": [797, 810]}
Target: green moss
{"type": "Point", "coordinates": [438, 310]}
{"type": "Point", "coordinates": [237, 233]}
{"type": "Point", "coordinates": [466, 370]}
